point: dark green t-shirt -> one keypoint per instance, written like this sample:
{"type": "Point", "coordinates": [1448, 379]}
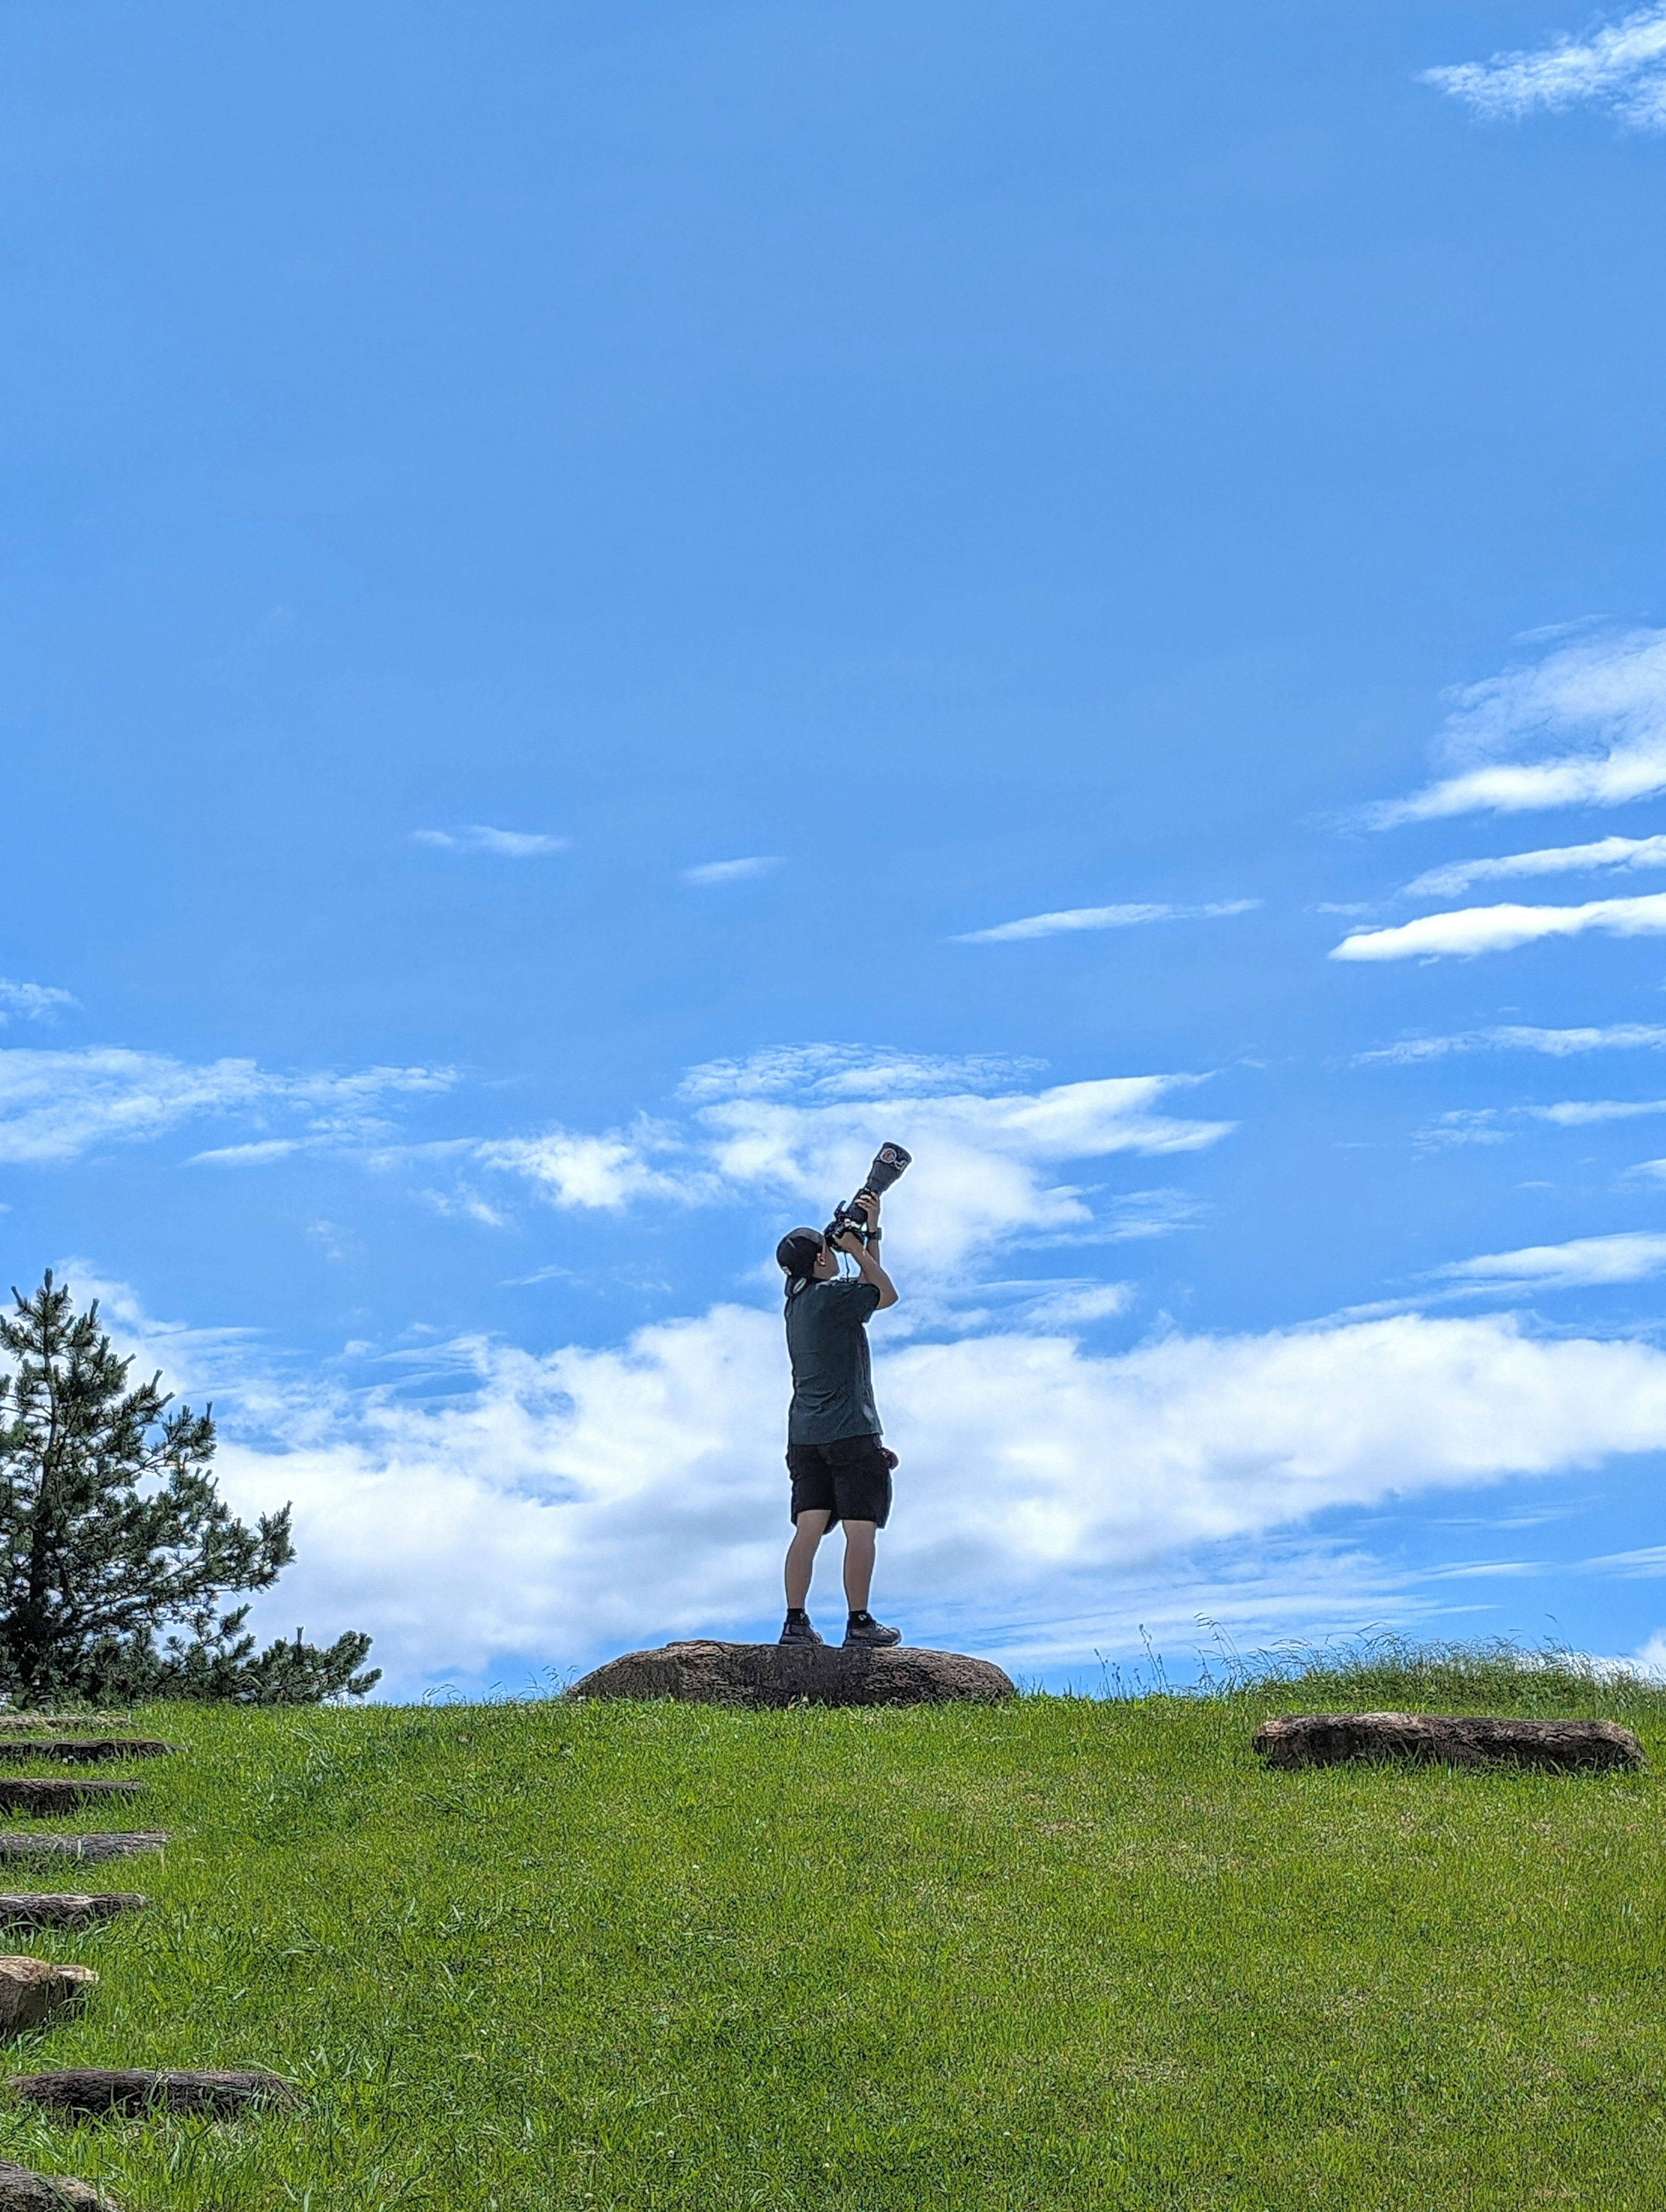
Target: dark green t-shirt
{"type": "Point", "coordinates": [832, 1379]}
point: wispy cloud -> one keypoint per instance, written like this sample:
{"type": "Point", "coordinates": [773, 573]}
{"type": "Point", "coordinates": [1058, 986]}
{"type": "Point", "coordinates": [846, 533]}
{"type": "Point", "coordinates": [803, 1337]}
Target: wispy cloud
{"type": "Point", "coordinates": [1586, 1112]}
{"type": "Point", "coordinates": [1630, 1257]}
{"type": "Point", "coordinates": [1558, 1044]}
{"type": "Point", "coordinates": [1097, 917]}
{"type": "Point", "coordinates": [1647, 1562]}
{"type": "Point", "coordinates": [56, 1106]}
{"type": "Point", "coordinates": [1495, 1125]}
{"type": "Point", "coordinates": [1587, 724]}
{"type": "Point", "coordinates": [824, 1075]}
{"type": "Point", "coordinates": [711, 872]}
{"type": "Point", "coordinates": [34, 1002]}
{"type": "Point", "coordinates": [480, 837]}
{"type": "Point", "coordinates": [796, 1129]}
{"type": "Point", "coordinates": [1469, 930]}
{"type": "Point", "coordinates": [1554, 860]}
{"type": "Point", "coordinates": [1621, 66]}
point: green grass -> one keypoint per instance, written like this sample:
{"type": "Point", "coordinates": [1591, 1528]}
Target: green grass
{"type": "Point", "coordinates": [1065, 1953]}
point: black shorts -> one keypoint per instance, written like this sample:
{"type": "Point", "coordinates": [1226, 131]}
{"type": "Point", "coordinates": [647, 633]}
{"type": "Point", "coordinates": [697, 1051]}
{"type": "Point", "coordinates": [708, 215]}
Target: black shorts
{"type": "Point", "coordinates": [850, 1479]}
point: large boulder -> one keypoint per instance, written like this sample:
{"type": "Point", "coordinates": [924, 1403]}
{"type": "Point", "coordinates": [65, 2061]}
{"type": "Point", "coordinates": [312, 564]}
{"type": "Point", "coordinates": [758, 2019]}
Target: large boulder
{"type": "Point", "coordinates": [1434, 1739]}
{"type": "Point", "coordinates": [710, 1674]}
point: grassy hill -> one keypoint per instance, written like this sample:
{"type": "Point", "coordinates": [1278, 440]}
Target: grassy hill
{"type": "Point", "coordinates": [1067, 1954]}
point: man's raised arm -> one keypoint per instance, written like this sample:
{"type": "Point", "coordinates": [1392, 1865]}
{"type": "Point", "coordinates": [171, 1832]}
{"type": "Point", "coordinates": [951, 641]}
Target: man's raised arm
{"type": "Point", "coordinates": [867, 1267]}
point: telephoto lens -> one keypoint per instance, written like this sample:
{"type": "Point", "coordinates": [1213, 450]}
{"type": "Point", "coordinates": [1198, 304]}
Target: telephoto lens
{"type": "Point", "coordinates": [889, 1163]}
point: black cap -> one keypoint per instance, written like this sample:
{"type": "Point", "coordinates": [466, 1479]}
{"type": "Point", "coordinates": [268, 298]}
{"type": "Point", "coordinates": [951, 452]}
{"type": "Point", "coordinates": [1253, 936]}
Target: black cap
{"type": "Point", "coordinates": [799, 1251]}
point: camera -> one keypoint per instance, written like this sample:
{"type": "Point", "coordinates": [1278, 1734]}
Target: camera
{"type": "Point", "coordinates": [889, 1163]}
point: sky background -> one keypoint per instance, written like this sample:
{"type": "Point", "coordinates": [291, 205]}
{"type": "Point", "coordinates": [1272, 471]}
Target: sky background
{"type": "Point", "coordinates": [606, 605]}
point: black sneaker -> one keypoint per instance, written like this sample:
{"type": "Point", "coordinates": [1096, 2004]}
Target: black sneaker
{"type": "Point", "coordinates": [797, 1631]}
{"type": "Point", "coordinates": [863, 1629]}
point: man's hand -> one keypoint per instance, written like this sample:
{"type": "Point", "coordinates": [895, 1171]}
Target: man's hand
{"type": "Point", "coordinates": [849, 1241]}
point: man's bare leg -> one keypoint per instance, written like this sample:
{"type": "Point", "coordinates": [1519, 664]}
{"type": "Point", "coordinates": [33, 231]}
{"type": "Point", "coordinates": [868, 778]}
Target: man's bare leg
{"type": "Point", "coordinates": [807, 1532]}
{"type": "Point", "coordinates": [858, 1563]}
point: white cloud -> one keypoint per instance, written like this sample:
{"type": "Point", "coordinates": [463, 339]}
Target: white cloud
{"type": "Point", "coordinates": [554, 1509]}
{"type": "Point", "coordinates": [1470, 930]}
{"type": "Point", "coordinates": [1630, 1257]}
{"type": "Point", "coordinates": [797, 1130]}
{"type": "Point", "coordinates": [1097, 917]}
{"type": "Point", "coordinates": [260, 1154]}
{"type": "Point", "coordinates": [1555, 859]}
{"type": "Point", "coordinates": [1559, 1044]}
{"type": "Point", "coordinates": [1590, 718]}
{"type": "Point", "coordinates": [734, 871]}
{"type": "Point", "coordinates": [1583, 1113]}
{"type": "Point", "coordinates": [600, 1173]}
{"type": "Point", "coordinates": [33, 1001]}
{"type": "Point", "coordinates": [480, 837]}
{"type": "Point", "coordinates": [1621, 66]}
{"type": "Point", "coordinates": [55, 1106]}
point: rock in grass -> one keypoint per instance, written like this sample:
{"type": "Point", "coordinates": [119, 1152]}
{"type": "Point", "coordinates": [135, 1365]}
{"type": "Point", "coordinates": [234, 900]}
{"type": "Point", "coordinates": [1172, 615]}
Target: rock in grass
{"type": "Point", "coordinates": [22, 2191]}
{"type": "Point", "coordinates": [794, 1674]}
{"type": "Point", "coordinates": [80, 1751]}
{"type": "Point", "coordinates": [53, 1794]}
{"type": "Point", "coordinates": [34, 1990]}
{"type": "Point", "coordinates": [84, 2093]}
{"type": "Point", "coordinates": [58, 1908]}
{"type": "Point", "coordinates": [1431, 1739]}
{"type": "Point", "coordinates": [34, 1845]}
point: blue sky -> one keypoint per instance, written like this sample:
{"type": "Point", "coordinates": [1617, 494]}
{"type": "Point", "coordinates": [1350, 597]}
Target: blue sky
{"type": "Point", "coordinates": [606, 605]}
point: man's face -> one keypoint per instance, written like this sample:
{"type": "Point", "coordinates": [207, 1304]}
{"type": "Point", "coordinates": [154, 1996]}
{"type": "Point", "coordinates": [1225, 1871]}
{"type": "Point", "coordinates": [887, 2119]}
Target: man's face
{"type": "Point", "coordinates": [827, 1263]}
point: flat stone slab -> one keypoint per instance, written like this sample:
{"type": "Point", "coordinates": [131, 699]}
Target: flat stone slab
{"type": "Point", "coordinates": [1431, 1739]}
{"type": "Point", "coordinates": [53, 1794]}
{"type": "Point", "coordinates": [66, 1908]}
{"type": "Point", "coordinates": [34, 1990]}
{"type": "Point", "coordinates": [128, 1846]}
{"type": "Point", "coordinates": [82, 1750]}
{"type": "Point", "coordinates": [712, 1674]}
{"type": "Point", "coordinates": [22, 2190]}
{"type": "Point", "coordinates": [85, 2093]}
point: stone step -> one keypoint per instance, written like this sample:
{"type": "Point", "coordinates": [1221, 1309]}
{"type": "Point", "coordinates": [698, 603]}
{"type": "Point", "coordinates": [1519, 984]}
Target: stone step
{"type": "Point", "coordinates": [80, 1751]}
{"type": "Point", "coordinates": [90, 2091]}
{"type": "Point", "coordinates": [55, 1795]}
{"type": "Point", "coordinates": [1446, 1740]}
{"type": "Point", "coordinates": [34, 1991]}
{"type": "Point", "coordinates": [22, 2190]}
{"type": "Point", "coordinates": [65, 1908]}
{"type": "Point", "coordinates": [34, 1845]}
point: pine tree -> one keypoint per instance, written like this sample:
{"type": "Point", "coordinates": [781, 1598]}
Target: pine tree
{"type": "Point", "coordinates": [112, 1534]}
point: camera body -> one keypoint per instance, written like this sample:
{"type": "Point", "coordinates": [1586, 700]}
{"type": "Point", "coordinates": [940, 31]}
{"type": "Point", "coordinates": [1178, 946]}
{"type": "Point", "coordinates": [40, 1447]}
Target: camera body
{"type": "Point", "coordinates": [889, 1163]}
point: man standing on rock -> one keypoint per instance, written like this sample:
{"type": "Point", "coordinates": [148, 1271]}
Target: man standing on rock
{"type": "Point", "coordinates": [841, 1470]}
